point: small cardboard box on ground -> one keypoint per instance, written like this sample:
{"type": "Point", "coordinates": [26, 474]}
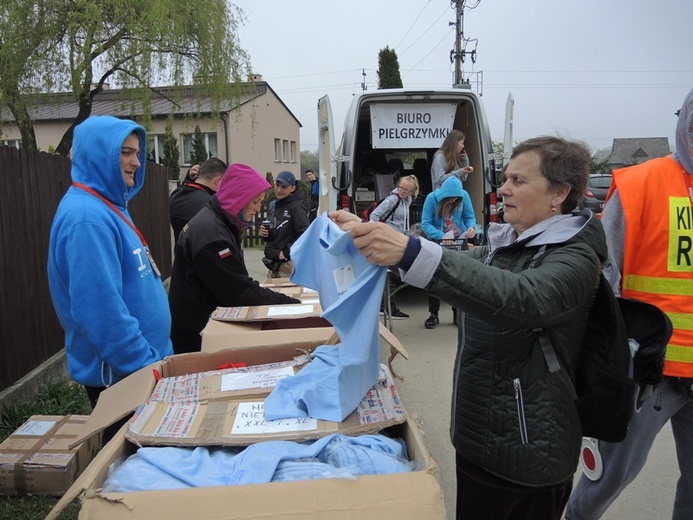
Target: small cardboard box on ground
{"type": "Point", "coordinates": [37, 459]}
{"type": "Point", "coordinates": [265, 325]}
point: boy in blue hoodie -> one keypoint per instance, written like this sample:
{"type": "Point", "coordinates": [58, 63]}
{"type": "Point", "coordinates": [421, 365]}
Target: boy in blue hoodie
{"type": "Point", "coordinates": [105, 286]}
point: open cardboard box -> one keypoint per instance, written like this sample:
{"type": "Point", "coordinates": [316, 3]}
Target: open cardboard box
{"type": "Point", "coordinates": [265, 325]}
{"type": "Point", "coordinates": [412, 495]}
{"type": "Point", "coordinates": [406, 496]}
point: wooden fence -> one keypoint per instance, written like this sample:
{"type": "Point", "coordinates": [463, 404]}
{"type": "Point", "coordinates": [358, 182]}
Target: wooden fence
{"type": "Point", "coordinates": [31, 186]}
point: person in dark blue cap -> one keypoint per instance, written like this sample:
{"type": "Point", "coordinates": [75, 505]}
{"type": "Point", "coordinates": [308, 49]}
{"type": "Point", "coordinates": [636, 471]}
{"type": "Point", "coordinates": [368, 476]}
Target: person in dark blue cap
{"type": "Point", "coordinates": [288, 220]}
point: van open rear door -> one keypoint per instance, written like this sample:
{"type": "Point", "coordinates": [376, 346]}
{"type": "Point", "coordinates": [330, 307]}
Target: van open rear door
{"type": "Point", "coordinates": [327, 166]}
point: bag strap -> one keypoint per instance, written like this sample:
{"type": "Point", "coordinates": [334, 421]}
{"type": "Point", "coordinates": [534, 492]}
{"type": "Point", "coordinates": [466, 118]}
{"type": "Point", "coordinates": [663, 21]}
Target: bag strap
{"type": "Point", "coordinates": [392, 211]}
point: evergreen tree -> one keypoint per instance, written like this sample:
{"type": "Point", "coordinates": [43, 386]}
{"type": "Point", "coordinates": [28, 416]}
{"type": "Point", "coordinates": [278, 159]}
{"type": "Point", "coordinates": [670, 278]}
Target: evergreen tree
{"type": "Point", "coordinates": [388, 69]}
{"type": "Point", "coordinates": [171, 157]}
{"type": "Point", "coordinates": [198, 154]}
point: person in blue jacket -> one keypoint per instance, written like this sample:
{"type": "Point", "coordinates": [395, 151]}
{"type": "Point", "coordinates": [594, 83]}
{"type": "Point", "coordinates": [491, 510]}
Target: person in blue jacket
{"type": "Point", "coordinates": [104, 284]}
{"type": "Point", "coordinates": [447, 214]}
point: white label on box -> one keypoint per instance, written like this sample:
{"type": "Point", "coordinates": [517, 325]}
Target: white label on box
{"type": "Point", "coordinates": [311, 301]}
{"type": "Point", "coordinates": [38, 428]}
{"type": "Point", "coordinates": [364, 196]}
{"type": "Point", "coordinates": [261, 379]}
{"type": "Point", "coordinates": [250, 420]}
{"type": "Point", "coordinates": [343, 278]}
{"type": "Point", "coordinates": [289, 310]}
{"type": "Point", "coordinates": [309, 291]}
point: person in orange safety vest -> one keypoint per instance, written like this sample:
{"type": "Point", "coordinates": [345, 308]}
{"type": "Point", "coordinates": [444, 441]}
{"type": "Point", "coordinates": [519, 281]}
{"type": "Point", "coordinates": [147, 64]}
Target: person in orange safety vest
{"type": "Point", "coordinates": [648, 219]}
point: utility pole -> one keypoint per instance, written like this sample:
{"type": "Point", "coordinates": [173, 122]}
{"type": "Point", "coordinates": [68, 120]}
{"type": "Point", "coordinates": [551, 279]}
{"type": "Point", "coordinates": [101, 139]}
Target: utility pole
{"type": "Point", "coordinates": [460, 52]}
{"type": "Point", "coordinates": [363, 83]}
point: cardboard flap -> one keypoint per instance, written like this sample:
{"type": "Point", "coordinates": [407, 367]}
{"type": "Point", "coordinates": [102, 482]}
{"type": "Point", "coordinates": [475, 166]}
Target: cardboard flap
{"type": "Point", "coordinates": [93, 472]}
{"type": "Point", "coordinates": [393, 341]}
{"type": "Point", "coordinates": [118, 401]}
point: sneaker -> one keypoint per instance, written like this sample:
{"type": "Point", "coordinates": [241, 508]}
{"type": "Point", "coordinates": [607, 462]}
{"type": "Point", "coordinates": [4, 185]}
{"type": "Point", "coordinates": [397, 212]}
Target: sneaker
{"type": "Point", "coordinates": [432, 321]}
{"type": "Point", "coordinates": [399, 315]}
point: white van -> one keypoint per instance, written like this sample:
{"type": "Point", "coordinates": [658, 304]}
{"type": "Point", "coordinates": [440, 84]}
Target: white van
{"type": "Point", "coordinates": [403, 127]}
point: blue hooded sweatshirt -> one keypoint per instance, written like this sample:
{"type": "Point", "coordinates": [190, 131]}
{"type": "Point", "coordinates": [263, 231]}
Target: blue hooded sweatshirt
{"type": "Point", "coordinates": [433, 224]}
{"type": "Point", "coordinates": [110, 302]}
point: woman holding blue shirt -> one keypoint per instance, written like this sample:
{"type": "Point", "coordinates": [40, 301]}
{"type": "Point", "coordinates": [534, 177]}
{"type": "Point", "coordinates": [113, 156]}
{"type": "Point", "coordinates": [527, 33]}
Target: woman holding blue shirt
{"type": "Point", "coordinates": [447, 211]}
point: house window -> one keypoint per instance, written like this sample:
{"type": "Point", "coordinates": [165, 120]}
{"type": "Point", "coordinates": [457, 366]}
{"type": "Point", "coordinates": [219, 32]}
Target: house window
{"type": "Point", "coordinates": [285, 149]}
{"type": "Point", "coordinates": [293, 151]}
{"type": "Point", "coordinates": [17, 143]}
{"type": "Point", "coordinates": [277, 150]}
{"type": "Point", "coordinates": [155, 147]}
{"type": "Point", "coordinates": [210, 146]}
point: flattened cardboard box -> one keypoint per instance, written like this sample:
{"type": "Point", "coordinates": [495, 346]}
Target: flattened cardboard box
{"type": "Point", "coordinates": [37, 459]}
{"type": "Point", "coordinates": [199, 413]}
{"type": "Point", "coordinates": [126, 396]}
{"type": "Point", "coordinates": [414, 495]}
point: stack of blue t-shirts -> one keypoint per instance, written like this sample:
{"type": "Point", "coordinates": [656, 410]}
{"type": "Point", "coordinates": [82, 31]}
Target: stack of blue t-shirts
{"type": "Point", "coordinates": [334, 456]}
{"type": "Point", "coordinates": [331, 386]}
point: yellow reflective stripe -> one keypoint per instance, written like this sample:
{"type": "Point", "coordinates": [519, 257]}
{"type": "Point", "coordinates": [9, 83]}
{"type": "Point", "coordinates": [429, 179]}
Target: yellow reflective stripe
{"type": "Point", "coordinates": [681, 321]}
{"type": "Point", "coordinates": [654, 285]}
{"type": "Point", "coordinates": [679, 353]}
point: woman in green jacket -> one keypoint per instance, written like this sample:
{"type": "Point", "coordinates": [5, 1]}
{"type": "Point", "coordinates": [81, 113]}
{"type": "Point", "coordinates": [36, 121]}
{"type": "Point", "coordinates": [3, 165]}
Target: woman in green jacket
{"type": "Point", "coordinates": [515, 427]}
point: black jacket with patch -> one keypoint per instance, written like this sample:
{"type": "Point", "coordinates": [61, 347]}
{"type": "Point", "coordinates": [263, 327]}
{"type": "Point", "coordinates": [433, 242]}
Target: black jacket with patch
{"type": "Point", "coordinates": [209, 271]}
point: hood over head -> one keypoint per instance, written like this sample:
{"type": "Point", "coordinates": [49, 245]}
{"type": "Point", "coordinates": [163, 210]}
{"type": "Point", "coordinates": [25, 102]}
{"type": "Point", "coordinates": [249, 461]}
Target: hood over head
{"type": "Point", "coordinates": [684, 135]}
{"type": "Point", "coordinates": [452, 187]}
{"type": "Point", "coordinates": [96, 157]}
{"type": "Point", "coordinates": [239, 185]}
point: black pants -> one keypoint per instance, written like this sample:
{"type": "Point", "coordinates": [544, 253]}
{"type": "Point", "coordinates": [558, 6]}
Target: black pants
{"type": "Point", "coordinates": [483, 496]}
{"type": "Point", "coordinates": [94, 392]}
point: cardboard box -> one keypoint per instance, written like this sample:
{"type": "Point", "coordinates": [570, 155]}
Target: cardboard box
{"type": "Point", "coordinates": [37, 458]}
{"type": "Point", "coordinates": [406, 496]}
{"type": "Point", "coordinates": [266, 325]}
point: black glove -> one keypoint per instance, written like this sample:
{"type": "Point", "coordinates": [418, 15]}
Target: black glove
{"type": "Point", "coordinates": [272, 265]}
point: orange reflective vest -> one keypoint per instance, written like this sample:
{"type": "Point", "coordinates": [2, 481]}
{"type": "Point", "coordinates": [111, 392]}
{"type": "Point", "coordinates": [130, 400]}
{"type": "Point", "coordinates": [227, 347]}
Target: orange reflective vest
{"type": "Point", "coordinates": [658, 254]}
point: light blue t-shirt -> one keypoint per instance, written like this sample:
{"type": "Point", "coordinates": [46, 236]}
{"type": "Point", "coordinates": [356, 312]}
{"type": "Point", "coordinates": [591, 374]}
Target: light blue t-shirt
{"type": "Point", "coordinates": [331, 386]}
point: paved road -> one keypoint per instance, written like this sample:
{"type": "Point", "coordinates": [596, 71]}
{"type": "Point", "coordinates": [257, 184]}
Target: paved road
{"type": "Point", "coordinates": [426, 392]}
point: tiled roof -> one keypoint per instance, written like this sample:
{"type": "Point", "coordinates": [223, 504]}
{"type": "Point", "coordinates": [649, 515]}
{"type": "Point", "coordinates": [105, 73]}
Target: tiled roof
{"type": "Point", "coordinates": [630, 150]}
{"type": "Point", "coordinates": [179, 101]}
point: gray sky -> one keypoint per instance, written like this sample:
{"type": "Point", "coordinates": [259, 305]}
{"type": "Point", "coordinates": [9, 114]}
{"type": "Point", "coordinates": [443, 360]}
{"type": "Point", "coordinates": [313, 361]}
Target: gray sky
{"type": "Point", "coordinates": [592, 70]}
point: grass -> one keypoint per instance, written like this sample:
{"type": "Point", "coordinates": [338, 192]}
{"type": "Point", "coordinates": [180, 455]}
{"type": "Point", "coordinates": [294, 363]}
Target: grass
{"type": "Point", "coordinates": [55, 398]}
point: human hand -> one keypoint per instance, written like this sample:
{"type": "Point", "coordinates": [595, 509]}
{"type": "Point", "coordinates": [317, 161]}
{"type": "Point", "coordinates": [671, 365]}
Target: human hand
{"type": "Point", "coordinates": [468, 169]}
{"type": "Point", "coordinates": [471, 233]}
{"type": "Point", "coordinates": [344, 219]}
{"type": "Point", "coordinates": [194, 171]}
{"type": "Point", "coordinates": [264, 231]}
{"type": "Point", "coordinates": [379, 243]}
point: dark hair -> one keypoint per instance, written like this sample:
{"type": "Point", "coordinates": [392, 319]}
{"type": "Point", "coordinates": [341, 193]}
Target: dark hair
{"type": "Point", "coordinates": [565, 164]}
{"type": "Point", "coordinates": [310, 170]}
{"type": "Point", "coordinates": [212, 168]}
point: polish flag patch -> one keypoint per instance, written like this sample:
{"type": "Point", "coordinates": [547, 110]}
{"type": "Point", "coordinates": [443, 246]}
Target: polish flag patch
{"type": "Point", "coordinates": [225, 253]}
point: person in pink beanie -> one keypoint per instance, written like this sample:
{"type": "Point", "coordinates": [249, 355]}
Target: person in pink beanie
{"type": "Point", "coordinates": [208, 268]}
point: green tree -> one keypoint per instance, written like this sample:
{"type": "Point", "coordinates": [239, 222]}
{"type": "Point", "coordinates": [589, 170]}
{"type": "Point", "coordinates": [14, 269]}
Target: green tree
{"type": "Point", "coordinates": [388, 69]}
{"type": "Point", "coordinates": [81, 45]}
{"type": "Point", "coordinates": [171, 157]}
{"type": "Point", "coordinates": [309, 161]}
{"type": "Point", "coordinates": [198, 154]}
